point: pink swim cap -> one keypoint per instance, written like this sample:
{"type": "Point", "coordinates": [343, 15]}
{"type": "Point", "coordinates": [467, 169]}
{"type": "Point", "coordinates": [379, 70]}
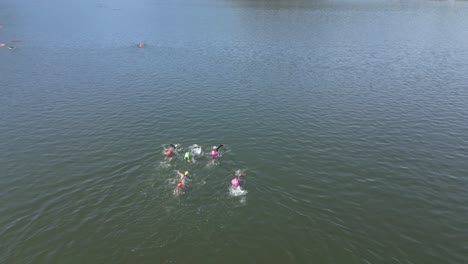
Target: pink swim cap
{"type": "Point", "coordinates": [214, 154]}
{"type": "Point", "coordinates": [234, 182]}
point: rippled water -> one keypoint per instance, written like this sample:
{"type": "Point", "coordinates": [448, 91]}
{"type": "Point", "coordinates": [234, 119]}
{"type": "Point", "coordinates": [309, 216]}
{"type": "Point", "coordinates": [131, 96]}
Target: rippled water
{"type": "Point", "coordinates": [350, 119]}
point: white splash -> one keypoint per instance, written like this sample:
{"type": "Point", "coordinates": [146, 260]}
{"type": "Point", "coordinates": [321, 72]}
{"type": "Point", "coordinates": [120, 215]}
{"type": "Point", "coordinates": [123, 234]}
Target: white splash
{"type": "Point", "coordinates": [237, 191]}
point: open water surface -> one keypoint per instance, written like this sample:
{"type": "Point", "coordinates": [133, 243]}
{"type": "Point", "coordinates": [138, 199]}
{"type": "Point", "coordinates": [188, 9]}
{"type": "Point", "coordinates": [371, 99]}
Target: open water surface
{"type": "Point", "coordinates": [349, 118]}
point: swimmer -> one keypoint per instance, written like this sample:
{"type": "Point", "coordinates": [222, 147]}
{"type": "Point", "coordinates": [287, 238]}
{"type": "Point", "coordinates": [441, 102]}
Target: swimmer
{"type": "Point", "coordinates": [214, 151]}
{"type": "Point", "coordinates": [240, 177]}
{"type": "Point", "coordinates": [187, 156]}
{"type": "Point", "coordinates": [183, 177]}
{"type": "Point", "coordinates": [195, 151]}
{"type": "Point", "coordinates": [171, 151]}
{"type": "Point", "coordinates": [141, 45]}
{"type": "Point", "coordinates": [176, 147]}
{"type": "Point", "coordinates": [11, 47]}
{"type": "Point", "coordinates": [2, 44]}
{"type": "Point", "coordinates": [238, 180]}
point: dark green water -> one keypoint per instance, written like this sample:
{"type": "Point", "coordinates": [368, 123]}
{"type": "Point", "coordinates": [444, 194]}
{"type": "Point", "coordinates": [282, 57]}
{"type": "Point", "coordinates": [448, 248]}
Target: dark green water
{"type": "Point", "coordinates": [350, 119]}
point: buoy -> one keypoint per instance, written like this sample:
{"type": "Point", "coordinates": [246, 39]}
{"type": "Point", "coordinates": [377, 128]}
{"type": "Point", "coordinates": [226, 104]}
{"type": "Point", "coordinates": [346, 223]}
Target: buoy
{"type": "Point", "coordinates": [235, 182]}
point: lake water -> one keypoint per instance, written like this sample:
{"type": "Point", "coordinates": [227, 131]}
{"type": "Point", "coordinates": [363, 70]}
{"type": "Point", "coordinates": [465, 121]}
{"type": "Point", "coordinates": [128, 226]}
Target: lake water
{"type": "Point", "coordinates": [348, 117]}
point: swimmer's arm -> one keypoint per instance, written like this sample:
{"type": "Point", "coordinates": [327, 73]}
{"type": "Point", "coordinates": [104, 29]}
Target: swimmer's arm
{"type": "Point", "coordinates": [180, 174]}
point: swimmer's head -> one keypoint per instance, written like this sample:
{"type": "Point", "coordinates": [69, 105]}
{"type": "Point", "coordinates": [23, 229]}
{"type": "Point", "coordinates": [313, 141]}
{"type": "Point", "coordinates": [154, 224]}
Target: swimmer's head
{"type": "Point", "coordinates": [214, 147]}
{"type": "Point", "coordinates": [186, 173]}
{"type": "Point", "coordinates": [234, 182]}
{"type": "Point", "coordinates": [177, 145]}
{"type": "Point", "coordinates": [180, 184]}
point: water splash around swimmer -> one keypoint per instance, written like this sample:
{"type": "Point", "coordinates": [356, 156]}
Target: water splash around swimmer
{"type": "Point", "coordinates": [237, 191]}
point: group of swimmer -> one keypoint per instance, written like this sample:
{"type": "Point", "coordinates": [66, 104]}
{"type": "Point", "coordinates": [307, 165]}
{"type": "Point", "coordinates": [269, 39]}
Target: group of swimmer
{"type": "Point", "coordinates": [9, 47]}
{"type": "Point", "coordinates": [195, 151]}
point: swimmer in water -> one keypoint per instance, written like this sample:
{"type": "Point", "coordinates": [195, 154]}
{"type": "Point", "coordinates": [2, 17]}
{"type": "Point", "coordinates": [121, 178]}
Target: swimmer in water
{"type": "Point", "coordinates": [238, 180]}
{"type": "Point", "coordinates": [195, 150]}
{"type": "Point", "coordinates": [214, 151]}
{"type": "Point", "coordinates": [183, 178]}
{"type": "Point", "coordinates": [170, 152]}
{"type": "Point", "coordinates": [187, 156]}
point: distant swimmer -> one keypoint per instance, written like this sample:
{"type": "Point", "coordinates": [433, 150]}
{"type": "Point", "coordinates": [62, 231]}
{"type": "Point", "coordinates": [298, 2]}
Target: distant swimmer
{"type": "Point", "coordinates": [238, 180]}
{"type": "Point", "coordinates": [214, 151]}
{"type": "Point", "coordinates": [195, 151]}
{"type": "Point", "coordinates": [183, 179]}
{"type": "Point", "coordinates": [187, 156]}
{"type": "Point", "coordinates": [170, 152]}
{"type": "Point", "coordinates": [11, 47]}
{"type": "Point", "coordinates": [176, 147]}
{"type": "Point", "coordinates": [2, 44]}
{"type": "Point", "coordinates": [141, 45]}
{"type": "Point", "coordinates": [241, 178]}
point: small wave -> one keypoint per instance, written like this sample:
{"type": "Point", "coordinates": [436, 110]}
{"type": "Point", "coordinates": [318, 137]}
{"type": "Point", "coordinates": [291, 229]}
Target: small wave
{"type": "Point", "coordinates": [212, 163]}
{"type": "Point", "coordinates": [172, 181]}
{"type": "Point", "coordinates": [202, 182]}
{"type": "Point", "coordinates": [165, 164]}
{"type": "Point", "coordinates": [177, 191]}
{"type": "Point", "coordinates": [243, 200]}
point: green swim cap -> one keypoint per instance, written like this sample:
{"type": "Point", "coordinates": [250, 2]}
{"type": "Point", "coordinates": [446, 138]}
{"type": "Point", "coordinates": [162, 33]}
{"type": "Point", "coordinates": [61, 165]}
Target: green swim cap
{"type": "Point", "coordinates": [187, 155]}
